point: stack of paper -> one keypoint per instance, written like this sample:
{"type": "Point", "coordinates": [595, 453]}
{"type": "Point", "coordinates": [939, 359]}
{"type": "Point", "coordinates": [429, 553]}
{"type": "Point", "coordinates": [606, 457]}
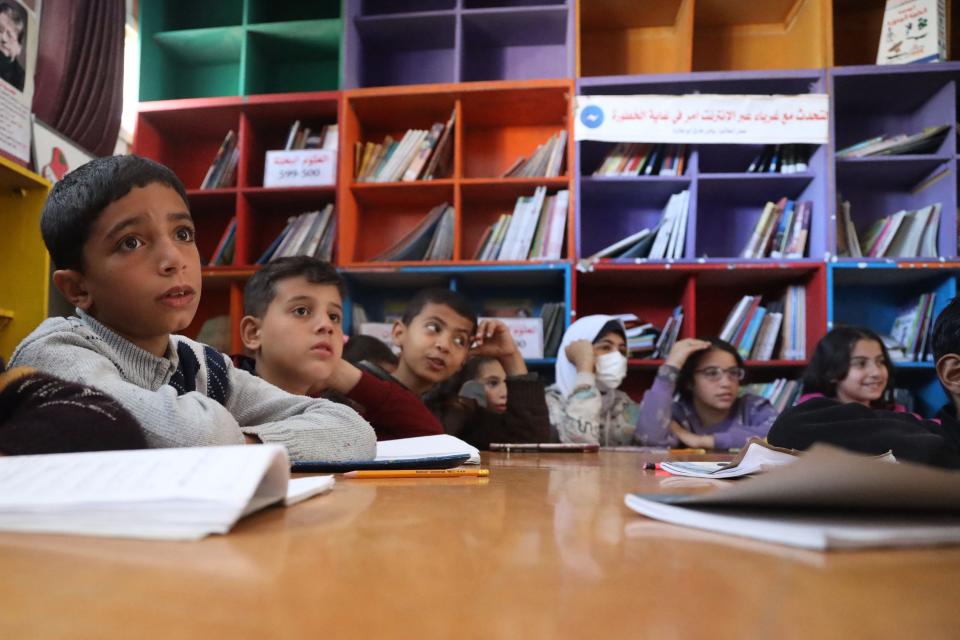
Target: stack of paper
{"type": "Point", "coordinates": [826, 499]}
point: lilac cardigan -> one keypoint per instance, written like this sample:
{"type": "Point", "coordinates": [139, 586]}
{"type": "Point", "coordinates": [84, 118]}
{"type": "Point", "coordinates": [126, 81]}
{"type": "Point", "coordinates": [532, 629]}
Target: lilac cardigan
{"type": "Point", "coordinates": [750, 416]}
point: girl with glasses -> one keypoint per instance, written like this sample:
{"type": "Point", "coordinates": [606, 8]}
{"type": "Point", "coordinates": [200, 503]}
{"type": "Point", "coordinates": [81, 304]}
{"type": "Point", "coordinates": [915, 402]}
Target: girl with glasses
{"type": "Point", "coordinates": [709, 412]}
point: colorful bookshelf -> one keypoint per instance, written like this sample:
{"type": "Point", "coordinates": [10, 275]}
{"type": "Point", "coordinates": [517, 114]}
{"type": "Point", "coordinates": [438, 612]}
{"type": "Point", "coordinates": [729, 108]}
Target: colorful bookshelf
{"type": "Point", "coordinates": [24, 262]}
{"type": "Point", "coordinates": [186, 134]}
{"type": "Point", "coordinates": [442, 41]}
{"type": "Point", "coordinates": [495, 123]}
{"type": "Point", "coordinates": [238, 47]}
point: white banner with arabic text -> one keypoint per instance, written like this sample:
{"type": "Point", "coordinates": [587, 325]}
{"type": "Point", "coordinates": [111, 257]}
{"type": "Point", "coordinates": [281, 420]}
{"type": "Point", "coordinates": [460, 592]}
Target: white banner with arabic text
{"type": "Point", "coordinates": [701, 118]}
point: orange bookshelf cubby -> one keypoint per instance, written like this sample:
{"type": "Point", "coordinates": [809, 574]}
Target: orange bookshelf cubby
{"type": "Point", "coordinates": [496, 122]}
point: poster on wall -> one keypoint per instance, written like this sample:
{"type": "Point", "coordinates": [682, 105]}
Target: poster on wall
{"type": "Point", "coordinates": [53, 155]}
{"type": "Point", "coordinates": [704, 118]}
{"type": "Point", "coordinates": [19, 29]}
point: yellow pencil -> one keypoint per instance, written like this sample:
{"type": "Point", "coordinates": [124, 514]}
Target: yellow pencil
{"type": "Point", "coordinates": [688, 451]}
{"type": "Point", "coordinates": [418, 473]}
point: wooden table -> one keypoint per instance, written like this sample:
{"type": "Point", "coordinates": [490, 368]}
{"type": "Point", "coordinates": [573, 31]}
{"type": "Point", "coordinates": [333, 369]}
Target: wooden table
{"type": "Point", "coordinates": [543, 548]}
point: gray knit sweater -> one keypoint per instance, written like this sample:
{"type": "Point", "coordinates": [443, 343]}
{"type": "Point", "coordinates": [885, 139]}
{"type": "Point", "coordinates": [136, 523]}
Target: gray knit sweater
{"type": "Point", "coordinates": [80, 349]}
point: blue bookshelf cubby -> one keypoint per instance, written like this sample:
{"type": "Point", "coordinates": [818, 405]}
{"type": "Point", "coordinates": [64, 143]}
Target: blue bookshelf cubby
{"type": "Point", "coordinates": [871, 294]}
{"type": "Point", "coordinates": [385, 292]}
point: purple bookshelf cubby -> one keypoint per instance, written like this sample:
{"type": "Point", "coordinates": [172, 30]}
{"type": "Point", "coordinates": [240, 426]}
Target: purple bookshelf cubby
{"type": "Point", "coordinates": [726, 201]}
{"type": "Point", "coordinates": [407, 49]}
{"type": "Point", "coordinates": [613, 208]}
{"type": "Point", "coordinates": [868, 101]}
{"type": "Point", "coordinates": [438, 41]}
{"type": "Point", "coordinates": [515, 44]}
{"type": "Point", "coordinates": [728, 209]}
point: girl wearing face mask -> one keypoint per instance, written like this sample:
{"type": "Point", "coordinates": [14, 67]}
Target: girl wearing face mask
{"type": "Point", "coordinates": [710, 412]}
{"type": "Point", "coordinates": [585, 404]}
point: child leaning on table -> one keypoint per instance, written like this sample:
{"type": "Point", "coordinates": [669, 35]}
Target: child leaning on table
{"type": "Point", "coordinates": [121, 235]}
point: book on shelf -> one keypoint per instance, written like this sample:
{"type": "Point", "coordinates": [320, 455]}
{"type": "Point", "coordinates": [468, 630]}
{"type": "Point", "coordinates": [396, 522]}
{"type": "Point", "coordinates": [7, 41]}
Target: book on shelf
{"type": "Point", "coordinates": [913, 31]}
{"type": "Point", "coordinates": [781, 158]}
{"type": "Point", "coordinates": [669, 334]}
{"type": "Point", "coordinates": [222, 172]}
{"type": "Point", "coordinates": [848, 243]}
{"type": "Point", "coordinates": [904, 234]}
{"type": "Point", "coordinates": [665, 241]}
{"type": "Point", "coordinates": [535, 230]}
{"type": "Point", "coordinates": [644, 159]}
{"type": "Point", "coordinates": [781, 393]}
{"type": "Point", "coordinates": [165, 494]}
{"type": "Point", "coordinates": [430, 239]}
{"type": "Point", "coordinates": [545, 162]}
{"type": "Point", "coordinates": [300, 137]}
{"type": "Point", "coordinates": [826, 499]}
{"type": "Point", "coordinates": [223, 253]}
{"type": "Point", "coordinates": [781, 230]}
{"type": "Point", "coordinates": [754, 329]}
{"type": "Point", "coordinates": [420, 154]}
{"type": "Point", "coordinates": [927, 140]}
{"type": "Point", "coordinates": [553, 315]}
{"type": "Point", "coordinates": [911, 330]}
{"type": "Point", "coordinates": [307, 234]}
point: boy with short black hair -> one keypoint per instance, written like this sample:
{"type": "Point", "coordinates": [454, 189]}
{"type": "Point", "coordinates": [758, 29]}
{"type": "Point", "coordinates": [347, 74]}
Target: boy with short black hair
{"type": "Point", "coordinates": [859, 428]}
{"type": "Point", "coordinates": [293, 326]}
{"type": "Point", "coordinates": [121, 235]}
{"type": "Point", "coordinates": [436, 335]}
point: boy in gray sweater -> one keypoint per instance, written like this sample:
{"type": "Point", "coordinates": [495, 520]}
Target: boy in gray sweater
{"type": "Point", "coordinates": [121, 236]}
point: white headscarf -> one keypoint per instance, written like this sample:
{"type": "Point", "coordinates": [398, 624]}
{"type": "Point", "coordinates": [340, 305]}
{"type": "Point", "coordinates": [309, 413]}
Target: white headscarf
{"type": "Point", "coordinates": [585, 328]}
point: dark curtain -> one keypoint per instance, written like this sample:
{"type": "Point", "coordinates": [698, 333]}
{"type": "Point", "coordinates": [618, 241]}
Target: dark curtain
{"type": "Point", "coordinates": [79, 75]}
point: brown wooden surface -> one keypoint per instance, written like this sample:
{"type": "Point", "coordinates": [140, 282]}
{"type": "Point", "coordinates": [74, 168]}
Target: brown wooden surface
{"type": "Point", "coordinates": [544, 548]}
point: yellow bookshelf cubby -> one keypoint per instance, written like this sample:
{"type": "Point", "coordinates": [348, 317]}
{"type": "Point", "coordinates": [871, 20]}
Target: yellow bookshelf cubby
{"type": "Point", "coordinates": [24, 262]}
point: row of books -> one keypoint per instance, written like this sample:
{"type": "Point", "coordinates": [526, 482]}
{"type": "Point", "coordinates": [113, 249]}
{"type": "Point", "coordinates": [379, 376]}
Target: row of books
{"type": "Point", "coordinates": [535, 230]}
{"type": "Point", "coordinates": [222, 172]}
{"type": "Point", "coordinates": [781, 231]}
{"type": "Point", "coordinates": [545, 162]}
{"type": "Point", "coordinates": [754, 329]}
{"type": "Point", "coordinates": [644, 340]}
{"type": "Point", "coordinates": [643, 159]}
{"type": "Point", "coordinates": [431, 239]}
{"type": "Point", "coordinates": [300, 137]}
{"type": "Point", "coordinates": [904, 234]}
{"type": "Point", "coordinates": [419, 155]}
{"type": "Point", "coordinates": [665, 241]}
{"type": "Point", "coordinates": [308, 234]}
{"type": "Point", "coordinates": [911, 330]}
{"type": "Point", "coordinates": [781, 393]}
{"type": "Point", "coordinates": [781, 158]}
{"type": "Point", "coordinates": [926, 141]}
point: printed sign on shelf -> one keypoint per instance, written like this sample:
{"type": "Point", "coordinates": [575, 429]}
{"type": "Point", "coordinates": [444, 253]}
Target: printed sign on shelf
{"type": "Point", "coordinates": [704, 119]}
{"type": "Point", "coordinates": [527, 333]}
{"type": "Point", "coordinates": [304, 168]}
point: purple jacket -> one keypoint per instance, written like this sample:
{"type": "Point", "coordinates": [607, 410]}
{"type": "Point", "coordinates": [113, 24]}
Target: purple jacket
{"type": "Point", "coordinates": [749, 416]}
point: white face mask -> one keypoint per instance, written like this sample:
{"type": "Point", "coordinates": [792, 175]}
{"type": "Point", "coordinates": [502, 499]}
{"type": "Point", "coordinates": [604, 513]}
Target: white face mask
{"type": "Point", "coordinates": [611, 370]}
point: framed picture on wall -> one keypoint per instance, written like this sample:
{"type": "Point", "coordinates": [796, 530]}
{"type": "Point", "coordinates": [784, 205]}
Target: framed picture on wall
{"type": "Point", "coordinates": [53, 155]}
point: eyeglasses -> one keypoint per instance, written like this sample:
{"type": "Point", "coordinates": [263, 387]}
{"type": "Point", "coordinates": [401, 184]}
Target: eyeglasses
{"type": "Point", "coordinates": [713, 374]}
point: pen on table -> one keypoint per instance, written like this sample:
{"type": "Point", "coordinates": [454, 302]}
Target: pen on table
{"type": "Point", "coordinates": [545, 446]}
{"type": "Point", "coordinates": [418, 473]}
{"type": "Point", "coordinates": [688, 451]}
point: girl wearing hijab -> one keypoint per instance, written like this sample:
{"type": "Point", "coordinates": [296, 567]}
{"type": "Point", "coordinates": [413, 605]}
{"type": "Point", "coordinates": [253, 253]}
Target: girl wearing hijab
{"type": "Point", "coordinates": [709, 413]}
{"type": "Point", "coordinates": [584, 404]}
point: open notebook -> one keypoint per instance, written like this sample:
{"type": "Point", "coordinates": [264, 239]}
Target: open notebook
{"type": "Point", "coordinates": [756, 457]}
{"type": "Point", "coordinates": [827, 499]}
{"type": "Point", "coordinates": [174, 494]}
